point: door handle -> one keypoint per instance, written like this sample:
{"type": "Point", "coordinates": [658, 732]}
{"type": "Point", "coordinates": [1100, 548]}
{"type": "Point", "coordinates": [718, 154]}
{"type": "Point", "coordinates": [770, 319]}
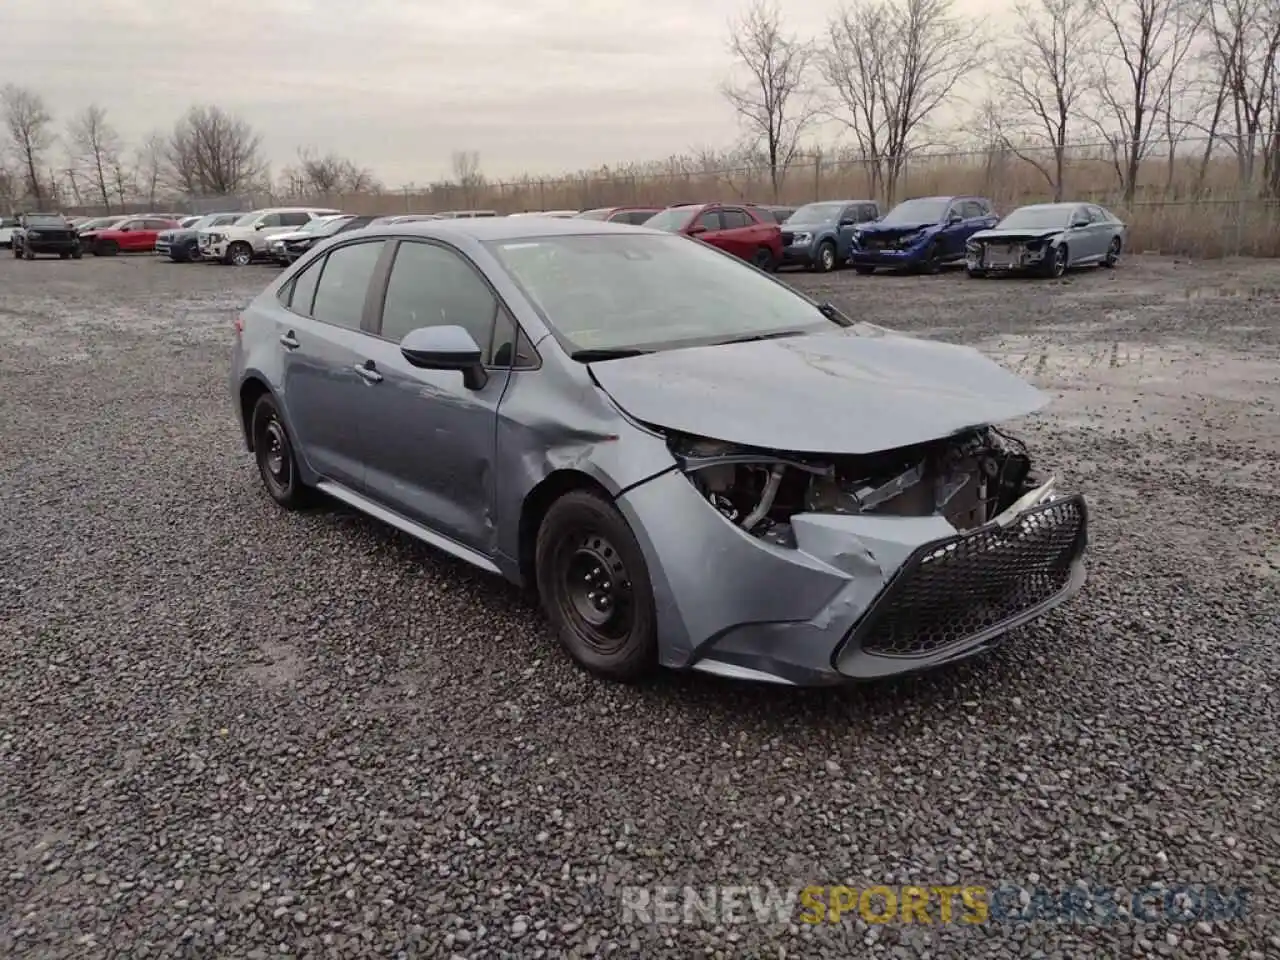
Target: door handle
{"type": "Point", "coordinates": [367, 371]}
{"type": "Point", "coordinates": [289, 340]}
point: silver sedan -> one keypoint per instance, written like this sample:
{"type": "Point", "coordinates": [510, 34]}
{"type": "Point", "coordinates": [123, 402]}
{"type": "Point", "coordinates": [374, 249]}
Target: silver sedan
{"type": "Point", "coordinates": [694, 465]}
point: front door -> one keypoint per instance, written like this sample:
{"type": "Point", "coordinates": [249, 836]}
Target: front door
{"type": "Point", "coordinates": [430, 440]}
{"type": "Point", "coordinates": [324, 346]}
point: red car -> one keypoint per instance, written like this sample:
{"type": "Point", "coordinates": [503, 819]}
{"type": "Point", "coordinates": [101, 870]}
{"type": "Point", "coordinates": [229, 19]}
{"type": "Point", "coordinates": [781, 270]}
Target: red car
{"type": "Point", "coordinates": [740, 230]}
{"type": "Point", "coordinates": [134, 235]}
{"type": "Point", "coordinates": [632, 215]}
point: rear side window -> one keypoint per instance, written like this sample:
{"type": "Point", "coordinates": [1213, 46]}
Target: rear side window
{"type": "Point", "coordinates": [733, 219]}
{"type": "Point", "coordinates": [637, 217]}
{"type": "Point", "coordinates": [294, 219]}
{"type": "Point", "coordinates": [8, 222]}
{"type": "Point", "coordinates": [344, 284]}
{"type": "Point", "coordinates": [157, 224]}
{"type": "Point", "coordinates": [299, 294]}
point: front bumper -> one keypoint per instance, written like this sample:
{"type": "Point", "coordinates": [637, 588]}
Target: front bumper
{"type": "Point", "coordinates": [856, 597]}
{"type": "Point", "coordinates": [899, 258]}
{"type": "Point", "coordinates": [58, 246]}
{"type": "Point", "coordinates": [798, 254]}
{"type": "Point", "coordinates": [212, 249]}
{"type": "Point", "coordinates": [1005, 257]}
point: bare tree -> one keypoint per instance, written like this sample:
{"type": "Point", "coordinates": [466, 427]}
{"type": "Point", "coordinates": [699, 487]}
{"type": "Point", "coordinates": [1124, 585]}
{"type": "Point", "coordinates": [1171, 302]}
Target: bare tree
{"type": "Point", "coordinates": [149, 167]}
{"type": "Point", "coordinates": [776, 104]}
{"type": "Point", "coordinates": [1244, 36]}
{"type": "Point", "coordinates": [892, 65]}
{"type": "Point", "coordinates": [27, 122]}
{"type": "Point", "coordinates": [466, 171]}
{"type": "Point", "coordinates": [214, 152]}
{"type": "Point", "coordinates": [1144, 47]}
{"type": "Point", "coordinates": [332, 174]}
{"type": "Point", "coordinates": [95, 150]}
{"type": "Point", "coordinates": [1043, 75]}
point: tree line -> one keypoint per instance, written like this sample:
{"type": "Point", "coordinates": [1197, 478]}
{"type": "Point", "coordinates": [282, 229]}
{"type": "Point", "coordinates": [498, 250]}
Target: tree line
{"type": "Point", "coordinates": [1139, 77]}
{"type": "Point", "coordinates": [208, 151]}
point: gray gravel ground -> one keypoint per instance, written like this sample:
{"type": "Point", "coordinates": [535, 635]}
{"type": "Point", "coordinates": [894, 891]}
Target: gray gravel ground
{"type": "Point", "coordinates": [229, 731]}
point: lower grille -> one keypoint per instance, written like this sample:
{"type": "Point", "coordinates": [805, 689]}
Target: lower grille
{"type": "Point", "coordinates": [975, 584]}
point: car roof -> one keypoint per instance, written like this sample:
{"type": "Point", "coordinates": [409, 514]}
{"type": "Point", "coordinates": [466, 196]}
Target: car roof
{"type": "Point", "coordinates": [485, 229]}
{"type": "Point", "coordinates": [1065, 205]}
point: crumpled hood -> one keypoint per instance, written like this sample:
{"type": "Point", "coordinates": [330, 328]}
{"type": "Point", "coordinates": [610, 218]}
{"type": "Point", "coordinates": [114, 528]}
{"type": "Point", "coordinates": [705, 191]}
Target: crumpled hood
{"type": "Point", "coordinates": [1016, 234]}
{"type": "Point", "coordinates": [854, 391]}
{"type": "Point", "coordinates": [177, 236]}
{"type": "Point", "coordinates": [286, 237]}
{"type": "Point", "coordinates": [893, 229]}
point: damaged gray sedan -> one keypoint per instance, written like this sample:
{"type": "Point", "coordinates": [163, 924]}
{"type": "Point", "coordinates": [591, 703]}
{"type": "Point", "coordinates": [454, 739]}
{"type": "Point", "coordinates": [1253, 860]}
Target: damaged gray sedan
{"type": "Point", "coordinates": [693, 465]}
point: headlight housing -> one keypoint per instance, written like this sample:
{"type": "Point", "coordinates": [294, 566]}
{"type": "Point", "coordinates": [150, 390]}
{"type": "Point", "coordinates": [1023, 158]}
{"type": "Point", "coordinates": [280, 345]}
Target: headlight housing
{"type": "Point", "coordinates": [801, 237]}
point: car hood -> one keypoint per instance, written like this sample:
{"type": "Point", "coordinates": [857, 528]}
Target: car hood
{"type": "Point", "coordinates": [1016, 234]}
{"type": "Point", "coordinates": [181, 233]}
{"type": "Point", "coordinates": [893, 229]}
{"type": "Point", "coordinates": [292, 235]}
{"type": "Point", "coordinates": [857, 391]}
{"type": "Point", "coordinates": [790, 227]}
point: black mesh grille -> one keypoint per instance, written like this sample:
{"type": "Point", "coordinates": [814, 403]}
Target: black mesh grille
{"type": "Point", "coordinates": [950, 591]}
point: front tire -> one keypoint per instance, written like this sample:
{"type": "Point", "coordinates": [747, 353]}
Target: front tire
{"type": "Point", "coordinates": [825, 261]}
{"type": "Point", "coordinates": [595, 587]}
{"type": "Point", "coordinates": [1113, 254]}
{"type": "Point", "coordinates": [931, 264]}
{"type": "Point", "coordinates": [273, 452]}
{"type": "Point", "coordinates": [1056, 267]}
{"type": "Point", "coordinates": [239, 254]}
{"type": "Point", "coordinates": [106, 248]}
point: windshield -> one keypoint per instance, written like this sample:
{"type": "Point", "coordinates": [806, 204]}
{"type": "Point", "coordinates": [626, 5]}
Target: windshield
{"type": "Point", "coordinates": [601, 214]}
{"type": "Point", "coordinates": [673, 219]}
{"type": "Point", "coordinates": [1036, 218]}
{"type": "Point", "coordinates": [816, 213]}
{"type": "Point", "coordinates": [927, 210]}
{"type": "Point", "coordinates": [46, 220]}
{"type": "Point", "coordinates": [644, 292]}
{"type": "Point", "coordinates": [326, 227]}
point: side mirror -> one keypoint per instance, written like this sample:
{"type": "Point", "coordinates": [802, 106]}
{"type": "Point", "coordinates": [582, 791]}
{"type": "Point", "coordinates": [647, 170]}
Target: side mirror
{"type": "Point", "coordinates": [445, 348]}
{"type": "Point", "coordinates": [259, 226]}
{"type": "Point", "coordinates": [954, 218]}
{"type": "Point", "coordinates": [1079, 223]}
{"type": "Point", "coordinates": [126, 229]}
{"type": "Point", "coordinates": [848, 222]}
{"type": "Point", "coordinates": [696, 229]}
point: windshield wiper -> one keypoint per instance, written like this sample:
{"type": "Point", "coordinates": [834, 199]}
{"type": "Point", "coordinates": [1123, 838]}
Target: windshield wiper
{"type": "Point", "coordinates": [591, 356]}
{"type": "Point", "coordinates": [763, 336]}
{"type": "Point", "coordinates": [834, 314]}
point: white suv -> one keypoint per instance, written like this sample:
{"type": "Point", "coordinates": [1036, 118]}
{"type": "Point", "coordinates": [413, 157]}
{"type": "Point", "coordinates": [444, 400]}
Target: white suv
{"type": "Point", "coordinates": [246, 240]}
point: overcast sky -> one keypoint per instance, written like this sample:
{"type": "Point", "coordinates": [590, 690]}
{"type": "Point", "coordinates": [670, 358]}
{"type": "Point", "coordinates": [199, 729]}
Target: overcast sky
{"type": "Point", "coordinates": [540, 86]}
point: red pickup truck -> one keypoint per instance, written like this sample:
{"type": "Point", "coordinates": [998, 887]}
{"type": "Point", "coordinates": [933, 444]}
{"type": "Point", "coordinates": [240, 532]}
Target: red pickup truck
{"type": "Point", "coordinates": [737, 229]}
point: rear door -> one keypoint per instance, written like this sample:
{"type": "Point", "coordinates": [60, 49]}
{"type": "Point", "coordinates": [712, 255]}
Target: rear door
{"type": "Point", "coordinates": [322, 330]}
{"type": "Point", "coordinates": [430, 440]}
{"type": "Point", "coordinates": [739, 233]}
{"type": "Point", "coordinates": [1099, 231]}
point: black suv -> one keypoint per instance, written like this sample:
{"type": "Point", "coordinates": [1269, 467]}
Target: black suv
{"type": "Point", "coordinates": [45, 233]}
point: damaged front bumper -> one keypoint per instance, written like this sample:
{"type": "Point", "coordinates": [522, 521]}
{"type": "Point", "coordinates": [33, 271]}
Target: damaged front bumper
{"type": "Point", "coordinates": [848, 597]}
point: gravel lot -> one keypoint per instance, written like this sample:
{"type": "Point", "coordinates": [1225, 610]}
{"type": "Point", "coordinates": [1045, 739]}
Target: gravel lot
{"type": "Point", "coordinates": [225, 730]}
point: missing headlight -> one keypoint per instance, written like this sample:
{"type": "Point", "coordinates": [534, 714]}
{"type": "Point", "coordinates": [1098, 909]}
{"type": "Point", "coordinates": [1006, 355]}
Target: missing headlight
{"type": "Point", "coordinates": [967, 479]}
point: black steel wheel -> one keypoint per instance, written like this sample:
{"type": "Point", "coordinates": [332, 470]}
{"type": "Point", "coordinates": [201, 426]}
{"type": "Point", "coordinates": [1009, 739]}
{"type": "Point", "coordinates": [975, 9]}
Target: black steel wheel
{"type": "Point", "coordinates": [594, 586]}
{"type": "Point", "coordinates": [273, 451]}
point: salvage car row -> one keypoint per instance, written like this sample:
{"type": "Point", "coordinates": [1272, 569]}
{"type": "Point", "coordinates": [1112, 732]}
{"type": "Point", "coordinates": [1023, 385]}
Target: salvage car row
{"type": "Point", "coordinates": [922, 234]}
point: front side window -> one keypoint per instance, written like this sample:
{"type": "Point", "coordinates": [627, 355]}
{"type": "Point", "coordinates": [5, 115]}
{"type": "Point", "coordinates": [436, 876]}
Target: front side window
{"type": "Point", "coordinates": [647, 292]}
{"type": "Point", "coordinates": [344, 284]}
{"type": "Point", "coordinates": [430, 286]}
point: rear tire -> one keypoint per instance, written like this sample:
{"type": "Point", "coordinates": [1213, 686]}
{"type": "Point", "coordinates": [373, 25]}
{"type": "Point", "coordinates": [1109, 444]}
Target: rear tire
{"type": "Point", "coordinates": [595, 589]}
{"type": "Point", "coordinates": [273, 452]}
{"type": "Point", "coordinates": [764, 259]}
{"type": "Point", "coordinates": [1113, 254]}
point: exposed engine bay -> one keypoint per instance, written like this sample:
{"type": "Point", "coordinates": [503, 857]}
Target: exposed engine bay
{"type": "Point", "coordinates": [969, 479]}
